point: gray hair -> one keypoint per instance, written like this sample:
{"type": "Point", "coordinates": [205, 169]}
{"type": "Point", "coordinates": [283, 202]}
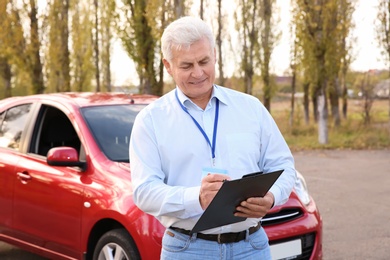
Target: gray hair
{"type": "Point", "coordinates": [182, 33]}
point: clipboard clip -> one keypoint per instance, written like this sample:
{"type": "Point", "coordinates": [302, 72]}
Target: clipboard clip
{"type": "Point", "coordinates": [251, 174]}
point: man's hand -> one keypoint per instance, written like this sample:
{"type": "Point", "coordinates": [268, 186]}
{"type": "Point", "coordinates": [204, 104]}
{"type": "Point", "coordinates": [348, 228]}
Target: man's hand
{"type": "Point", "coordinates": [209, 187]}
{"type": "Point", "coordinates": [255, 207]}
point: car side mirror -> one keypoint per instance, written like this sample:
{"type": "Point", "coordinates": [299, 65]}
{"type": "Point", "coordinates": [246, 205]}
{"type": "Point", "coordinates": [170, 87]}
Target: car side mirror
{"type": "Point", "coordinates": [64, 156]}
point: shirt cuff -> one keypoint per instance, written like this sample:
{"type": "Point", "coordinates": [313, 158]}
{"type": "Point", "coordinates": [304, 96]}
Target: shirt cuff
{"type": "Point", "coordinates": [277, 195]}
{"type": "Point", "coordinates": [191, 201]}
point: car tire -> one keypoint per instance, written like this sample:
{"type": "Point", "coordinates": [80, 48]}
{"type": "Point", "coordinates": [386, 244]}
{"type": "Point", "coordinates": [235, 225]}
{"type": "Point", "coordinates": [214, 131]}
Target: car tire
{"type": "Point", "coordinates": [116, 244]}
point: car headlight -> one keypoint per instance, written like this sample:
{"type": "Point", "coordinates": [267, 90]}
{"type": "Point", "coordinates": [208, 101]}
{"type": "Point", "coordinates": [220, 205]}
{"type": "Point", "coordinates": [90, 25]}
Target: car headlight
{"type": "Point", "coordinates": [301, 189]}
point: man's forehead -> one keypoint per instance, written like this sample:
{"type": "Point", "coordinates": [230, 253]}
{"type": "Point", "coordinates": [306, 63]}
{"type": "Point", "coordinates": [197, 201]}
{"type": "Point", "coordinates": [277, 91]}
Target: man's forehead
{"type": "Point", "coordinates": [192, 59]}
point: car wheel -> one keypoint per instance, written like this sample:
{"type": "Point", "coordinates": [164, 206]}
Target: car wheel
{"type": "Point", "coordinates": [116, 244]}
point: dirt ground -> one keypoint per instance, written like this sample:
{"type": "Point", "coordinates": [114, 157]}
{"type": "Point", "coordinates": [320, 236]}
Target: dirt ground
{"type": "Point", "coordinates": [352, 191]}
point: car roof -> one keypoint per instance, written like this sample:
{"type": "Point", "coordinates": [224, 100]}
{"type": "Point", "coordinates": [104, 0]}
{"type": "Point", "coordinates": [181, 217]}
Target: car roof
{"type": "Point", "coordinates": [85, 99]}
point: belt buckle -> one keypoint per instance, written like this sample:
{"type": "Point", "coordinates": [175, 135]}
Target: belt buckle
{"type": "Point", "coordinates": [219, 239]}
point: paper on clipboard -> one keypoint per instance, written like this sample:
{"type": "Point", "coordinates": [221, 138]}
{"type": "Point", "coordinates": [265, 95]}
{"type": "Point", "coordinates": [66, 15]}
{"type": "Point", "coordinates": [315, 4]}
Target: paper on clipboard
{"type": "Point", "coordinates": [221, 210]}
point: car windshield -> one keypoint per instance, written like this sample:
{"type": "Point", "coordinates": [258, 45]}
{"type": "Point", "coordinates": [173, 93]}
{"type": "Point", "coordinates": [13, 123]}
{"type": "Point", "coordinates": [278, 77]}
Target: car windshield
{"type": "Point", "coordinates": [111, 126]}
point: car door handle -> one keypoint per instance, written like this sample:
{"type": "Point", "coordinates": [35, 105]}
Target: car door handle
{"type": "Point", "coordinates": [24, 177]}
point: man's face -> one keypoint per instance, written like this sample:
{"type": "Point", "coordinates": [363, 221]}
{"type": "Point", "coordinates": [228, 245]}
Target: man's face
{"type": "Point", "coordinates": [193, 70]}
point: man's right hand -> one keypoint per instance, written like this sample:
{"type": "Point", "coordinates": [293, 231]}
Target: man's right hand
{"type": "Point", "coordinates": [210, 185]}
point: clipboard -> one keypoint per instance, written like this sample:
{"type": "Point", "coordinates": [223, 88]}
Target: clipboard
{"type": "Point", "coordinates": [221, 210]}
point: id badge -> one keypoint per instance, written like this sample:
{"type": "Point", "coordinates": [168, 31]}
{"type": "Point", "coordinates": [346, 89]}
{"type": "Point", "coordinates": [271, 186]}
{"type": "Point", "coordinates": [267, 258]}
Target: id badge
{"type": "Point", "coordinates": [210, 170]}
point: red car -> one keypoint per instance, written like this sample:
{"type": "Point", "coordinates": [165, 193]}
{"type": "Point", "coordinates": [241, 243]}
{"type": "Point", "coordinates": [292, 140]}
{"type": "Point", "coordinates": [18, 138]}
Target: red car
{"type": "Point", "coordinates": [65, 187]}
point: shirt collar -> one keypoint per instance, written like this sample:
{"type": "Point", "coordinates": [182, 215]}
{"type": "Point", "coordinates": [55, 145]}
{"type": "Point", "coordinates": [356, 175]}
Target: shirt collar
{"type": "Point", "coordinates": [216, 93]}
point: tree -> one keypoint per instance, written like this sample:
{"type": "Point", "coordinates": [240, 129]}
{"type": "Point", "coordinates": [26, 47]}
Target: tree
{"type": "Point", "coordinates": [322, 27]}
{"type": "Point", "coordinates": [159, 14]}
{"type": "Point", "coordinates": [268, 39]}
{"type": "Point", "coordinates": [247, 25]}
{"type": "Point", "coordinates": [144, 22]}
{"type": "Point", "coordinates": [219, 44]}
{"type": "Point", "coordinates": [5, 67]}
{"type": "Point", "coordinates": [34, 64]}
{"type": "Point", "coordinates": [313, 42]}
{"type": "Point", "coordinates": [201, 9]}
{"type": "Point", "coordinates": [58, 60]}
{"type": "Point", "coordinates": [256, 26]}
{"type": "Point", "coordinates": [107, 13]}
{"type": "Point", "coordinates": [82, 66]}
{"type": "Point", "coordinates": [91, 36]}
{"type": "Point", "coordinates": [180, 8]}
{"type": "Point", "coordinates": [383, 32]}
{"type": "Point", "coordinates": [301, 60]}
{"type": "Point", "coordinates": [137, 38]}
{"type": "Point", "coordinates": [20, 49]}
{"type": "Point", "coordinates": [338, 55]}
{"type": "Point", "coordinates": [346, 49]}
{"type": "Point", "coordinates": [366, 87]}
{"type": "Point", "coordinates": [96, 47]}
{"type": "Point", "coordinates": [293, 66]}
{"type": "Point", "coordinates": [6, 76]}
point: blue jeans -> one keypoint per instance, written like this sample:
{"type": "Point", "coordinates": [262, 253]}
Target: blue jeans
{"type": "Point", "coordinates": [181, 246]}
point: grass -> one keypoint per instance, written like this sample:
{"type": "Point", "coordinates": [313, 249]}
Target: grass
{"type": "Point", "coordinates": [351, 134]}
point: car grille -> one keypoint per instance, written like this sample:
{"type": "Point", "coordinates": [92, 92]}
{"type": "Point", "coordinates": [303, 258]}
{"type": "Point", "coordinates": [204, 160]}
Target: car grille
{"type": "Point", "coordinates": [307, 240]}
{"type": "Point", "coordinates": [281, 216]}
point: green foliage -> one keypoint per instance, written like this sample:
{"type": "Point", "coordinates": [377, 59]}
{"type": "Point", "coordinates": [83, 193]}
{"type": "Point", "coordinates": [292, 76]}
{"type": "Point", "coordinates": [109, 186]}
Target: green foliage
{"type": "Point", "coordinates": [82, 55]}
{"type": "Point", "coordinates": [139, 42]}
{"type": "Point", "coordinates": [58, 60]}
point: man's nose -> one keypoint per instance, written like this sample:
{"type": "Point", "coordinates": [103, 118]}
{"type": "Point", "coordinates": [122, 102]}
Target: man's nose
{"type": "Point", "coordinates": [197, 71]}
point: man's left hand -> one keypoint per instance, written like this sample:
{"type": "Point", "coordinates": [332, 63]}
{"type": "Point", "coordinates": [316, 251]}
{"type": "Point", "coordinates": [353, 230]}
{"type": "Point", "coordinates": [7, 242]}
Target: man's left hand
{"type": "Point", "coordinates": [255, 207]}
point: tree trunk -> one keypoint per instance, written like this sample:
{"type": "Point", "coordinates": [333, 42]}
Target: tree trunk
{"type": "Point", "coordinates": [322, 119]}
{"type": "Point", "coordinates": [96, 47]}
{"type": "Point", "coordinates": [345, 93]}
{"type": "Point", "coordinates": [248, 84]}
{"type": "Point", "coordinates": [179, 8]}
{"type": "Point", "coordinates": [221, 80]}
{"type": "Point", "coordinates": [6, 74]}
{"type": "Point", "coordinates": [35, 67]}
{"type": "Point", "coordinates": [334, 101]}
{"type": "Point", "coordinates": [389, 103]}
{"type": "Point", "coordinates": [201, 9]}
{"type": "Point", "coordinates": [315, 105]}
{"type": "Point", "coordinates": [306, 102]}
{"type": "Point", "coordinates": [161, 66]}
{"type": "Point", "coordinates": [266, 49]}
{"type": "Point", "coordinates": [107, 59]}
{"type": "Point", "coordinates": [293, 86]}
{"type": "Point", "coordinates": [345, 102]}
{"type": "Point", "coordinates": [388, 89]}
{"type": "Point", "coordinates": [267, 89]}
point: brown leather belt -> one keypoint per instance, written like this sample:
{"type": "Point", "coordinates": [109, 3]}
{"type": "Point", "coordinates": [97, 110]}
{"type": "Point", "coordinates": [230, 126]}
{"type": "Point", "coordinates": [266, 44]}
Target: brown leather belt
{"type": "Point", "coordinates": [221, 238]}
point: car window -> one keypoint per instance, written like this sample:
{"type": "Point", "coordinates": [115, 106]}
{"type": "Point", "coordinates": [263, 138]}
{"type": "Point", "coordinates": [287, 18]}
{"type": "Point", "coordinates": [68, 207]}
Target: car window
{"type": "Point", "coordinates": [111, 127]}
{"type": "Point", "coordinates": [53, 129]}
{"type": "Point", "coordinates": [12, 126]}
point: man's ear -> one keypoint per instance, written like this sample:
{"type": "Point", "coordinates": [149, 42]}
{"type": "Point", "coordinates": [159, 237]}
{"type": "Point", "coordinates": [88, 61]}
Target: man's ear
{"type": "Point", "coordinates": [167, 66]}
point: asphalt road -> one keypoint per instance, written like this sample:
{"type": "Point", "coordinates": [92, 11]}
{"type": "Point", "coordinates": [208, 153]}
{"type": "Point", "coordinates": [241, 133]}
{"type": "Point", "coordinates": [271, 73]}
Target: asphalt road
{"type": "Point", "coordinates": [352, 191]}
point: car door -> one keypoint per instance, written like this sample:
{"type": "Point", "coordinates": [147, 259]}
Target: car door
{"type": "Point", "coordinates": [12, 124]}
{"type": "Point", "coordinates": [47, 199]}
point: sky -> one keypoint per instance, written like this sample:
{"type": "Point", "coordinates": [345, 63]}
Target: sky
{"type": "Point", "coordinates": [368, 54]}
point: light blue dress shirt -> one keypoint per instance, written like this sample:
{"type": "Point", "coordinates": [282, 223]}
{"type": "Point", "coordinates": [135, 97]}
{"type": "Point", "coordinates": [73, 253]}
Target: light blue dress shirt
{"type": "Point", "coordinates": [168, 153]}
